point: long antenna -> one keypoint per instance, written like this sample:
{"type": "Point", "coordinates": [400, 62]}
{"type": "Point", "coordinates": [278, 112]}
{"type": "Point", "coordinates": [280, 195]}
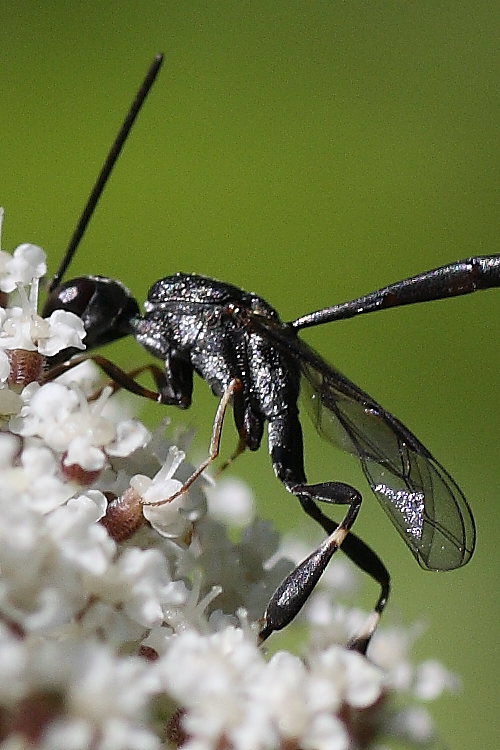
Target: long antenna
{"type": "Point", "coordinates": [107, 167]}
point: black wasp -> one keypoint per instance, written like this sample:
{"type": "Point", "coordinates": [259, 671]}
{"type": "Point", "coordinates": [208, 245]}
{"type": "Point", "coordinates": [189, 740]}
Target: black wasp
{"type": "Point", "coordinates": [251, 359]}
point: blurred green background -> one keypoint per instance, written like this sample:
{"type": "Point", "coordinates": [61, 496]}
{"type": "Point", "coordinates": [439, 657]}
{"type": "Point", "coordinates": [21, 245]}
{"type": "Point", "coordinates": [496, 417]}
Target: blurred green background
{"type": "Point", "coordinates": [311, 152]}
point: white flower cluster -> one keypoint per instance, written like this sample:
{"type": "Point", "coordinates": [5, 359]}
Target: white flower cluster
{"type": "Point", "coordinates": [128, 627]}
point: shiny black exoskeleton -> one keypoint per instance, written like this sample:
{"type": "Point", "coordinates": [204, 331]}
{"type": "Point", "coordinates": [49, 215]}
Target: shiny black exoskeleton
{"type": "Point", "coordinates": [105, 307]}
{"type": "Point", "coordinates": [251, 359]}
{"type": "Point", "coordinates": [237, 343]}
{"type": "Point", "coordinates": [197, 324]}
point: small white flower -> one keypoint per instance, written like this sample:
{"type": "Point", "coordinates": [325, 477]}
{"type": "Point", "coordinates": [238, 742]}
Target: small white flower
{"type": "Point", "coordinates": [36, 478]}
{"type": "Point", "coordinates": [390, 649]}
{"type": "Point", "coordinates": [25, 264]}
{"type": "Point", "coordinates": [22, 328]}
{"type": "Point", "coordinates": [141, 583]}
{"type": "Point", "coordinates": [63, 418]}
{"type": "Point", "coordinates": [359, 683]}
{"type": "Point", "coordinates": [413, 724]}
{"type": "Point", "coordinates": [231, 500]}
{"type": "Point", "coordinates": [51, 403]}
{"type": "Point", "coordinates": [173, 519]}
{"type": "Point", "coordinates": [65, 329]}
{"type": "Point", "coordinates": [432, 679]}
{"type": "Point", "coordinates": [209, 665]}
{"type": "Point", "coordinates": [130, 435]}
{"type": "Point", "coordinates": [326, 732]}
{"type": "Point", "coordinates": [81, 541]}
{"type": "Point", "coordinates": [86, 375]}
{"type": "Point", "coordinates": [284, 680]}
{"type": "Point", "coordinates": [162, 485]}
{"type": "Point", "coordinates": [82, 453]}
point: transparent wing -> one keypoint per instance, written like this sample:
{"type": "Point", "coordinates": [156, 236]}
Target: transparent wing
{"type": "Point", "coordinates": [422, 500]}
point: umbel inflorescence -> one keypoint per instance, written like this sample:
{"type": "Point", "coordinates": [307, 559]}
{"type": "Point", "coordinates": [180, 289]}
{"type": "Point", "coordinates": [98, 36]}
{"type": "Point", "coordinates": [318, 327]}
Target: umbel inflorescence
{"type": "Point", "coordinates": [130, 627]}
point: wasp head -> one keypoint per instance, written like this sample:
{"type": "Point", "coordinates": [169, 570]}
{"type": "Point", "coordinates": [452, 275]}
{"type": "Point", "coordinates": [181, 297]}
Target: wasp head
{"type": "Point", "coordinates": [105, 307]}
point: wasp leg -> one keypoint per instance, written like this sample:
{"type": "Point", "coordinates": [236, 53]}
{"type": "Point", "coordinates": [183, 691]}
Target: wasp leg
{"type": "Point", "coordinates": [367, 560]}
{"type": "Point", "coordinates": [156, 372]}
{"type": "Point", "coordinates": [234, 387]}
{"type": "Point", "coordinates": [293, 592]}
{"type": "Point", "coordinates": [120, 378]}
{"type": "Point", "coordinates": [285, 441]}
